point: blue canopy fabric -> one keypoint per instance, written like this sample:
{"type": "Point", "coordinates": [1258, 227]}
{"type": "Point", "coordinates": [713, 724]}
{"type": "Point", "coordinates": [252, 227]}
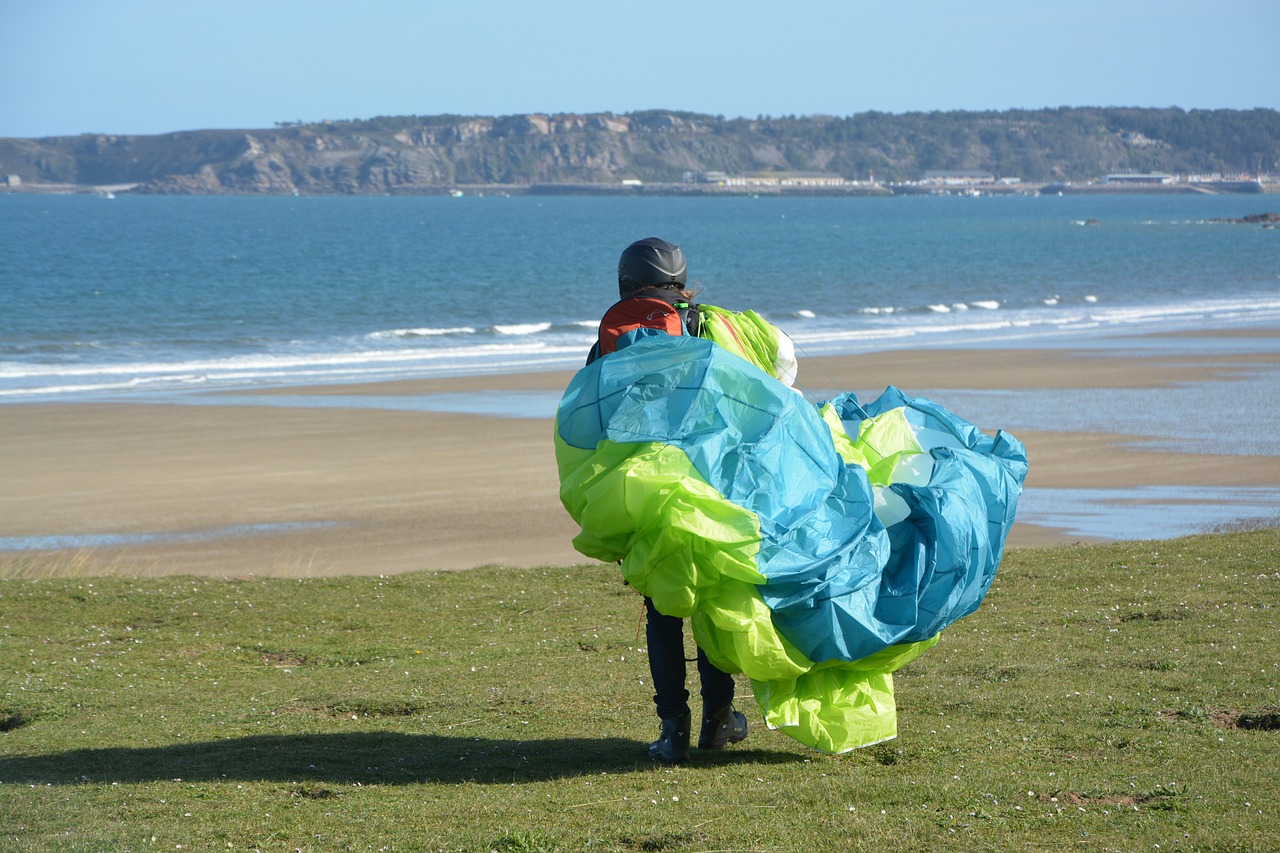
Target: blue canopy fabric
{"type": "Point", "coordinates": [815, 548]}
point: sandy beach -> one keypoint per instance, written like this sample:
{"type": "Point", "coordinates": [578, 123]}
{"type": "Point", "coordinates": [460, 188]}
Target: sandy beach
{"type": "Point", "coordinates": [288, 490]}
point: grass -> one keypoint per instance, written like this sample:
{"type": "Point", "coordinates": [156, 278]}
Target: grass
{"type": "Point", "coordinates": [1113, 697]}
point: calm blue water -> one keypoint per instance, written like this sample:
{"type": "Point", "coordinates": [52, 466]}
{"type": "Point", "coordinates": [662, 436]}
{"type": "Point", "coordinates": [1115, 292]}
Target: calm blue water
{"type": "Point", "coordinates": [109, 298]}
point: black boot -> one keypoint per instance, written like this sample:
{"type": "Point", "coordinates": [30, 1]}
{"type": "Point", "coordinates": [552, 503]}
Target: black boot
{"type": "Point", "coordinates": [672, 745]}
{"type": "Point", "coordinates": [722, 727]}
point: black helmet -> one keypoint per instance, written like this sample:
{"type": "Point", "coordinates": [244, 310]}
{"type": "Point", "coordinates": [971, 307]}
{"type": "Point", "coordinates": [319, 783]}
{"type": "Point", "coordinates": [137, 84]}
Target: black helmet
{"type": "Point", "coordinates": [651, 262]}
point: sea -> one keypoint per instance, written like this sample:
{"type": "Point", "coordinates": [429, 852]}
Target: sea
{"type": "Point", "coordinates": [197, 299]}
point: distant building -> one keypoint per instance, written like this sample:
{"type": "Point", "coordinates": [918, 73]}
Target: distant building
{"type": "Point", "coordinates": [13, 180]}
{"type": "Point", "coordinates": [1133, 178]}
{"type": "Point", "coordinates": [706, 177]}
{"type": "Point", "coordinates": [767, 179]}
{"type": "Point", "coordinates": [811, 179]}
{"type": "Point", "coordinates": [957, 178]}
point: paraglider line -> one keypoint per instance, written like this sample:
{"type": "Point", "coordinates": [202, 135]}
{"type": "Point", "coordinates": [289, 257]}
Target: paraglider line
{"type": "Point", "coordinates": [809, 394]}
{"type": "Point", "coordinates": [813, 397]}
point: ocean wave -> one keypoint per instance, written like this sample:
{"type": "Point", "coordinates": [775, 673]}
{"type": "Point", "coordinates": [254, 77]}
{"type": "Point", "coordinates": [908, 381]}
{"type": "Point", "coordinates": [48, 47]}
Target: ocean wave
{"type": "Point", "coordinates": [1206, 309]}
{"type": "Point", "coordinates": [44, 348]}
{"type": "Point", "coordinates": [520, 328]}
{"type": "Point", "coordinates": [531, 346]}
{"type": "Point", "coordinates": [944, 308]}
{"type": "Point", "coordinates": [279, 361]}
{"type": "Point", "coordinates": [426, 332]}
{"type": "Point", "coordinates": [925, 326]}
{"type": "Point", "coordinates": [933, 308]}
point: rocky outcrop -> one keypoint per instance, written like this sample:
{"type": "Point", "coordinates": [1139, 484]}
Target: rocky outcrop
{"type": "Point", "coordinates": [409, 154]}
{"type": "Point", "coordinates": [1265, 219]}
{"type": "Point", "coordinates": [430, 157]}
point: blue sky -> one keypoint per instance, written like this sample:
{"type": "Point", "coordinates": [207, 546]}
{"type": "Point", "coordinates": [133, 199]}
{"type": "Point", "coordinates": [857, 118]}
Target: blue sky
{"type": "Point", "coordinates": [152, 66]}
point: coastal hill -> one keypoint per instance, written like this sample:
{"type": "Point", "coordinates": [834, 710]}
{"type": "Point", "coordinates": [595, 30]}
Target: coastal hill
{"type": "Point", "coordinates": [424, 154]}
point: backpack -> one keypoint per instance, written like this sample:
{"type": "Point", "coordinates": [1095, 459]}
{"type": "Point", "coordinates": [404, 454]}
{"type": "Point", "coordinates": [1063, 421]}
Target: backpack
{"type": "Point", "coordinates": [677, 319]}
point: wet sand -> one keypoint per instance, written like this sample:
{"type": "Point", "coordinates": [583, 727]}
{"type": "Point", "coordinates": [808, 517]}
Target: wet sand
{"type": "Point", "coordinates": [276, 490]}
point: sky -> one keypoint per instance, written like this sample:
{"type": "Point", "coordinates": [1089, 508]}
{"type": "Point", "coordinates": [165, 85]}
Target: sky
{"type": "Point", "coordinates": [155, 66]}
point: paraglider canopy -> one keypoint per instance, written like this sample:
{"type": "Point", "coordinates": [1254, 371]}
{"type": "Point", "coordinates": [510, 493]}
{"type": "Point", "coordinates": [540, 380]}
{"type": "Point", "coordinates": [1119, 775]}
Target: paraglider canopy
{"type": "Point", "coordinates": [816, 549]}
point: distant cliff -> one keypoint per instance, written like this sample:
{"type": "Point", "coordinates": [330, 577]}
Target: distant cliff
{"type": "Point", "coordinates": [419, 154]}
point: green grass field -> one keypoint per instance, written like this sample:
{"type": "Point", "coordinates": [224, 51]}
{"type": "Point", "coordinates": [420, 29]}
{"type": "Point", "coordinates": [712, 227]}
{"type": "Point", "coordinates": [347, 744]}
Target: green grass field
{"type": "Point", "coordinates": [1117, 697]}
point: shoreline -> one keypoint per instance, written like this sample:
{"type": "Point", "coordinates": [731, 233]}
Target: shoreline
{"type": "Point", "coordinates": [270, 487]}
{"type": "Point", "coordinates": [699, 190]}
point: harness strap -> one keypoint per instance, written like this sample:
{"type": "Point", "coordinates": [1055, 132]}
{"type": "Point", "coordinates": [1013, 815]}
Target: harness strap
{"type": "Point", "coordinates": [690, 317]}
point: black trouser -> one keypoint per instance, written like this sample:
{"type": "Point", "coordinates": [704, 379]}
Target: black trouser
{"type": "Point", "coordinates": [665, 635]}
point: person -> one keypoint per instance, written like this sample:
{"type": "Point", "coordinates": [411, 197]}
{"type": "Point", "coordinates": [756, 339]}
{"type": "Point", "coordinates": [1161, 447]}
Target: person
{"type": "Point", "coordinates": [728, 498]}
{"type": "Point", "coordinates": [654, 269]}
